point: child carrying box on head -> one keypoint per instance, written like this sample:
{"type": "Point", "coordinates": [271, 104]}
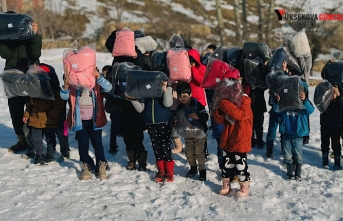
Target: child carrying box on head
{"type": "Point", "coordinates": [195, 147]}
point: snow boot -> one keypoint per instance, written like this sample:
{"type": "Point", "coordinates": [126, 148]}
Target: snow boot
{"type": "Point", "coordinates": [298, 172]}
{"type": "Point", "coordinates": [202, 175]}
{"type": "Point", "coordinates": [290, 172]}
{"type": "Point", "coordinates": [101, 174]}
{"type": "Point", "coordinates": [192, 172]}
{"type": "Point", "coordinates": [260, 142]}
{"type": "Point", "coordinates": [132, 160]}
{"type": "Point", "coordinates": [48, 159]}
{"type": "Point", "coordinates": [39, 159]}
{"type": "Point", "coordinates": [226, 186]}
{"type": "Point", "coordinates": [142, 160]}
{"type": "Point", "coordinates": [169, 171]}
{"type": "Point", "coordinates": [178, 148]}
{"type": "Point", "coordinates": [244, 191]}
{"type": "Point", "coordinates": [86, 172]}
{"type": "Point", "coordinates": [161, 172]}
{"type": "Point", "coordinates": [20, 145]}
{"type": "Point", "coordinates": [338, 162]}
{"type": "Point", "coordinates": [325, 159]}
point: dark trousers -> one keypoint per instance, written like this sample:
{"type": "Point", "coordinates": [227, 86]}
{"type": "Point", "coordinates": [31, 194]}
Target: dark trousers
{"type": "Point", "coordinates": [272, 129]}
{"type": "Point", "coordinates": [115, 119]}
{"type": "Point", "coordinates": [134, 141]}
{"type": "Point", "coordinates": [160, 140]}
{"type": "Point", "coordinates": [333, 134]}
{"type": "Point", "coordinates": [195, 151]}
{"type": "Point", "coordinates": [219, 152]}
{"type": "Point", "coordinates": [235, 164]}
{"type": "Point", "coordinates": [63, 140]}
{"type": "Point", "coordinates": [258, 119]}
{"type": "Point", "coordinates": [16, 107]}
{"type": "Point", "coordinates": [36, 135]}
{"type": "Point", "coordinates": [95, 136]}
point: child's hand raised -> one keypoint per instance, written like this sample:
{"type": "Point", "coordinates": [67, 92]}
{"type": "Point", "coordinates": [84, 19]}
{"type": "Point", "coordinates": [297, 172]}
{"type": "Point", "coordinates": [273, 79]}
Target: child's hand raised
{"type": "Point", "coordinates": [164, 86]}
{"type": "Point", "coordinates": [96, 73]}
{"type": "Point", "coordinates": [302, 96]}
{"type": "Point", "coordinates": [194, 116]}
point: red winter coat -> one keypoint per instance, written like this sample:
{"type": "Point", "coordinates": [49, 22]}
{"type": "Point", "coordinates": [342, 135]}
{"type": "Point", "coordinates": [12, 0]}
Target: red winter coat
{"type": "Point", "coordinates": [236, 137]}
{"type": "Point", "coordinates": [198, 74]}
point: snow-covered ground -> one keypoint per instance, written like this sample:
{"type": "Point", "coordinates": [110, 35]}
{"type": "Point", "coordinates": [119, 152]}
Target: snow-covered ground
{"type": "Point", "coordinates": [54, 192]}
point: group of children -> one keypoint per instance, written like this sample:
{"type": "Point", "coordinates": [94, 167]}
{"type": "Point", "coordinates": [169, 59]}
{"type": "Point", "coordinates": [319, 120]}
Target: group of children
{"type": "Point", "coordinates": [131, 117]}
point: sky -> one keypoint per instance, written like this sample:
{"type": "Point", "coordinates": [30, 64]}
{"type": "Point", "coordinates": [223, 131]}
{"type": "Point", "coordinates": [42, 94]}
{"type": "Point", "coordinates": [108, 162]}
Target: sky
{"type": "Point", "coordinates": [54, 192]}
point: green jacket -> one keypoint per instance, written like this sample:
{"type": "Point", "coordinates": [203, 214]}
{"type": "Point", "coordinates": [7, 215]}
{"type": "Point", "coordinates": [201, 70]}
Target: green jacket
{"type": "Point", "coordinates": [15, 50]}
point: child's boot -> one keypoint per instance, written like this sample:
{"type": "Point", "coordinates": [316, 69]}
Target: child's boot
{"type": "Point", "coordinates": [290, 172]}
{"type": "Point", "coordinates": [192, 172]}
{"type": "Point", "coordinates": [226, 186]}
{"type": "Point", "coordinates": [298, 172]}
{"type": "Point", "coordinates": [202, 175]}
{"type": "Point", "coordinates": [142, 160]}
{"type": "Point", "coordinates": [169, 169]}
{"type": "Point", "coordinates": [244, 191]}
{"type": "Point", "coordinates": [338, 162]}
{"type": "Point", "coordinates": [132, 160]}
{"type": "Point", "coordinates": [325, 158]}
{"type": "Point", "coordinates": [161, 171]}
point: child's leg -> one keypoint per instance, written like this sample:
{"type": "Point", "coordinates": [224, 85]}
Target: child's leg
{"type": "Point", "coordinates": [336, 146]}
{"type": "Point", "coordinates": [155, 142]}
{"type": "Point", "coordinates": [83, 143]}
{"type": "Point", "coordinates": [271, 135]}
{"type": "Point", "coordinates": [115, 118]}
{"type": "Point", "coordinates": [96, 140]}
{"type": "Point", "coordinates": [50, 141]}
{"type": "Point", "coordinates": [298, 156]}
{"type": "Point", "coordinates": [164, 141]}
{"type": "Point", "coordinates": [219, 152]}
{"type": "Point", "coordinates": [242, 167]}
{"type": "Point", "coordinates": [63, 140]}
{"type": "Point", "coordinates": [37, 140]}
{"type": "Point", "coordinates": [288, 149]}
{"type": "Point", "coordinates": [199, 152]}
{"type": "Point", "coordinates": [228, 165]}
{"type": "Point", "coordinates": [336, 140]}
{"type": "Point", "coordinates": [258, 127]}
{"type": "Point", "coordinates": [190, 152]}
{"type": "Point", "coordinates": [325, 145]}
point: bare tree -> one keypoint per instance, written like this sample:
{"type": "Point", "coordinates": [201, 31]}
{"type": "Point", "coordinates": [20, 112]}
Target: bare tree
{"type": "Point", "coordinates": [220, 22]}
{"type": "Point", "coordinates": [260, 30]}
{"type": "Point", "coordinates": [244, 19]}
{"type": "Point", "coordinates": [270, 23]}
{"type": "Point", "coordinates": [237, 21]}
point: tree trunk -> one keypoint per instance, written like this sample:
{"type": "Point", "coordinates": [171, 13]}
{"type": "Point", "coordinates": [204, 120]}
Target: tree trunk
{"type": "Point", "coordinates": [237, 21]}
{"type": "Point", "coordinates": [271, 13]}
{"type": "Point", "coordinates": [244, 19]}
{"type": "Point", "coordinates": [220, 22]}
{"type": "Point", "coordinates": [260, 30]}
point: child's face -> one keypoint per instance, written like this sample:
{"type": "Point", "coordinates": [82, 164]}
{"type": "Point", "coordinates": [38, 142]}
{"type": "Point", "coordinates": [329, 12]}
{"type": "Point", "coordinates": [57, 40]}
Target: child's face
{"type": "Point", "coordinates": [184, 98]}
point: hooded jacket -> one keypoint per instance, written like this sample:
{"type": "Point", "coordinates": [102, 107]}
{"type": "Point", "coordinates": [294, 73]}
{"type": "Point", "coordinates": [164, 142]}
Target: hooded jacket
{"type": "Point", "coordinates": [235, 137]}
{"type": "Point", "coordinates": [198, 73]}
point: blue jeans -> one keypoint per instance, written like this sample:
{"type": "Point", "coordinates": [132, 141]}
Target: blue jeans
{"type": "Point", "coordinates": [95, 136]}
{"type": "Point", "coordinates": [272, 128]}
{"type": "Point", "coordinates": [293, 147]}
